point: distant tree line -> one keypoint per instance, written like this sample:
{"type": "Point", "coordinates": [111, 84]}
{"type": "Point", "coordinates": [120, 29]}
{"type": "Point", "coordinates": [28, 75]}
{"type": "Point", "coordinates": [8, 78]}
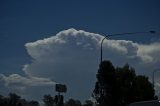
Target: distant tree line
{"type": "Point", "coordinates": [52, 101]}
{"type": "Point", "coordinates": [16, 100]}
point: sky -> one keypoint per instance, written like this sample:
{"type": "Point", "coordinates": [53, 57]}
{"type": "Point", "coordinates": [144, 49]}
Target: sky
{"type": "Point", "coordinates": [44, 42]}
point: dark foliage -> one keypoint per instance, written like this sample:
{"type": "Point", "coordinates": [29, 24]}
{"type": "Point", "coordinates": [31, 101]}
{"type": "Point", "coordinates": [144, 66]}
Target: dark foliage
{"type": "Point", "coordinates": [53, 101]}
{"type": "Point", "coordinates": [121, 86]}
{"type": "Point", "coordinates": [104, 91]}
{"type": "Point", "coordinates": [48, 100]}
{"type": "Point", "coordinates": [72, 102]}
{"type": "Point", "coordinates": [88, 103]}
{"type": "Point", "coordinates": [15, 100]}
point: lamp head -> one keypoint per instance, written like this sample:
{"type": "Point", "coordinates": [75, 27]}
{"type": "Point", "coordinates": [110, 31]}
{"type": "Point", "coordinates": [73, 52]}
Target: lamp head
{"type": "Point", "coordinates": [152, 32]}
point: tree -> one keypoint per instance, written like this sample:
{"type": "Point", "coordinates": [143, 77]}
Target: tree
{"type": "Point", "coordinates": [88, 103]}
{"type": "Point", "coordinates": [1, 99]}
{"type": "Point", "coordinates": [16, 100]}
{"type": "Point", "coordinates": [104, 91]}
{"type": "Point", "coordinates": [48, 100]}
{"type": "Point", "coordinates": [33, 103]}
{"type": "Point", "coordinates": [121, 86]}
{"type": "Point", "coordinates": [124, 80]}
{"type": "Point", "coordinates": [132, 87]}
{"type": "Point", "coordinates": [142, 89]}
{"type": "Point", "coordinates": [72, 102]}
{"type": "Point", "coordinates": [13, 98]}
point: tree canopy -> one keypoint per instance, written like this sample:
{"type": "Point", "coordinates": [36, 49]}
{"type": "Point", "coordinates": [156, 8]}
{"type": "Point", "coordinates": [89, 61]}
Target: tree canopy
{"type": "Point", "coordinates": [121, 86]}
{"type": "Point", "coordinates": [48, 100]}
{"type": "Point", "coordinates": [72, 102]}
{"type": "Point", "coordinates": [15, 100]}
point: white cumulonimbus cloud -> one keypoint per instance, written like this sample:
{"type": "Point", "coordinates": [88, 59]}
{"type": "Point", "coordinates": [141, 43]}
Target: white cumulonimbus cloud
{"type": "Point", "coordinates": [72, 57]}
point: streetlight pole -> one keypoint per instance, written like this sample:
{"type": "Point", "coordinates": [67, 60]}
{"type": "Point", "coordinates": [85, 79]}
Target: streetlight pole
{"type": "Point", "coordinates": [118, 35]}
{"type": "Point", "coordinates": [100, 84]}
{"type": "Point", "coordinates": [153, 81]}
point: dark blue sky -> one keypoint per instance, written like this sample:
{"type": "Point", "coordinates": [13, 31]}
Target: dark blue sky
{"type": "Point", "coordinates": [23, 21]}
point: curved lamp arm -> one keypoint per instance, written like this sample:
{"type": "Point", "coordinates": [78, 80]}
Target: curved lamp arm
{"type": "Point", "coordinates": [101, 47]}
{"type": "Point", "coordinates": [118, 35]}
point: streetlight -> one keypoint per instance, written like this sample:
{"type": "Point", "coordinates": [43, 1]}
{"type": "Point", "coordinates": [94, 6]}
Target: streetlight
{"type": "Point", "coordinates": [153, 81]}
{"type": "Point", "coordinates": [101, 86]}
{"type": "Point", "coordinates": [121, 34]}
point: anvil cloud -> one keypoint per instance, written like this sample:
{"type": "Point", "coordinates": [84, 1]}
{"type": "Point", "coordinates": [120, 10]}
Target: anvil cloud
{"type": "Point", "coordinates": [72, 57]}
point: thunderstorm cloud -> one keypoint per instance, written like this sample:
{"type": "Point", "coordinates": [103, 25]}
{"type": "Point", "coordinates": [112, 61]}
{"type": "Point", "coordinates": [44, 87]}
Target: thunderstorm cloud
{"type": "Point", "coordinates": [72, 57]}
